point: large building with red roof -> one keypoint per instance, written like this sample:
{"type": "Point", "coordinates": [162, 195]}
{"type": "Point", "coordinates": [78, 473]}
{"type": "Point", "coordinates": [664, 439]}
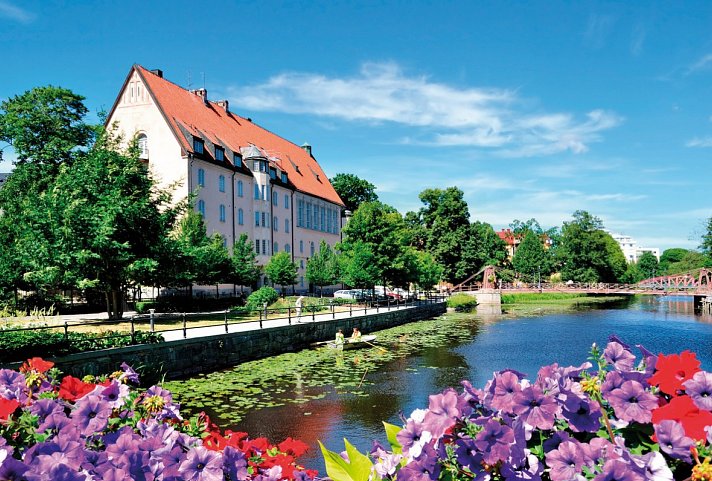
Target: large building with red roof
{"type": "Point", "coordinates": [245, 179]}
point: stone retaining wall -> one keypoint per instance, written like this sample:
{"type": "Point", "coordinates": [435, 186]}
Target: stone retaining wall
{"type": "Point", "coordinates": [192, 356]}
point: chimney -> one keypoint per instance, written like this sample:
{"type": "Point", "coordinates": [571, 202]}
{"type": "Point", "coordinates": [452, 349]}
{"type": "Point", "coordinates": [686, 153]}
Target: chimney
{"type": "Point", "coordinates": [307, 148]}
{"type": "Point", "coordinates": [158, 72]}
{"type": "Point", "coordinates": [203, 94]}
{"type": "Point", "coordinates": [224, 104]}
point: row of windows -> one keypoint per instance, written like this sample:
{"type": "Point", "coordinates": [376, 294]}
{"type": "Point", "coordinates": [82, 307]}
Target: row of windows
{"type": "Point", "coordinates": [261, 192]}
{"type": "Point", "coordinates": [221, 183]}
{"type": "Point", "coordinates": [316, 217]}
{"type": "Point", "coordinates": [275, 247]}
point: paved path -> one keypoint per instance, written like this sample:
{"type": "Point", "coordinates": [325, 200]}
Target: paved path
{"type": "Point", "coordinates": [197, 332]}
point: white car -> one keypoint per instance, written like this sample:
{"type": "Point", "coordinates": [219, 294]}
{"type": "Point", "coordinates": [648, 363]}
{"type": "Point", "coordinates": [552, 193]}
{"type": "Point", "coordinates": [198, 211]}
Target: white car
{"type": "Point", "coordinates": [345, 294]}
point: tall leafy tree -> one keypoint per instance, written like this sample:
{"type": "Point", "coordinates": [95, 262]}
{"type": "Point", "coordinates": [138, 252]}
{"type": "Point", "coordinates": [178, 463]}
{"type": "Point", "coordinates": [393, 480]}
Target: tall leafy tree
{"type": "Point", "coordinates": [706, 244]}
{"type": "Point", "coordinates": [109, 221]}
{"type": "Point", "coordinates": [671, 256]}
{"type": "Point", "coordinates": [383, 230]}
{"type": "Point", "coordinates": [446, 219]}
{"type": "Point", "coordinates": [359, 267]}
{"type": "Point", "coordinates": [282, 270]}
{"type": "Point", "coordinates": [45, 125]}
{"type": "Point", "coordinates": [429, 271]}
{"type": "Point", "coordinates": [245, 270]}
{"type": "Point", "coordinates": [531, 259]}
{"type": "Point", "coordinates": [353, 190]}
{"type": "Point", "coordinates": [648, 265]}
{"type": "Point", "coordinates": [323, 267]}
{"type": "Point", "coordinates": [587, 253]}
{"type": "Point", "coordinates": [519, 227]}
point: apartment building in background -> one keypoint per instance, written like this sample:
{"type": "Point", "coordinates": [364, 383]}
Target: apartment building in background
{"type": "Point", "coordinates": [631, 250]}
{"type": "Point", "coordinates": [245, 178]}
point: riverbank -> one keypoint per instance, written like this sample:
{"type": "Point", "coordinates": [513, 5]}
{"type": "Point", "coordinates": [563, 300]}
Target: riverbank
{"type": "Point", "coordinates": [538, 303]}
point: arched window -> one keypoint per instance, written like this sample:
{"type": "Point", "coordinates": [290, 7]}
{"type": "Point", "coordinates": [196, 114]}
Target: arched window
{"type": "Point", "coordinates": [275, 224]}
{"type": "Point", "coordinates": [311, 248]}
{"type": "Point", "coordinates": [143, 146]}
{"type": "Point", "coordinates": [221, 183]}
{"type": "Point", "coordinates": [222, 212]}
{"type": "Point", "coordinates": [201, 207]}
{"type": "Point", "coordinates": [257, 192]}
{"type": "Point", "coordinates": [240, 217]}
{"type": "Point", "coordinates": [276, 248]}
{"type": "Point", "coordinates": [287, 248]}
{"type": "Point", "coordinates": [239, 188]}
{"type": "Point", "coordinates": [301, 246]}
{"type": "Point", "coordinates": [286, 201]}
{"type": "Point", "coordinates": [275, 198]}
{"type": "Point", "coordinates": [201, 177]}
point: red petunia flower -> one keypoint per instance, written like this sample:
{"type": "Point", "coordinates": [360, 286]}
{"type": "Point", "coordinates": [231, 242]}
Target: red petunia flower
{"type": "Point", "coordinates": [683, 410]}
{"type": "Point", "coordinates": [36, 364]}
{"type": "Point", "coordinates": [312, 473]}
{"type": "Point", "coordinates": [7, 407]}
{"type": "Point", "coordinates": [671, 371]}
{"type": "Point", "coordinates": [259, 444]}
{"type": "Point", "coordinates": [72, 388]}
{"type": "Point", "coordinates": [293, 446]}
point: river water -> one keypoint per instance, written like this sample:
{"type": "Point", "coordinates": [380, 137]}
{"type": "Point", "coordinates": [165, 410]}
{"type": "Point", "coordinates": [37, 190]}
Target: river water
{"type": "Point", "coordinates": [321, 395]}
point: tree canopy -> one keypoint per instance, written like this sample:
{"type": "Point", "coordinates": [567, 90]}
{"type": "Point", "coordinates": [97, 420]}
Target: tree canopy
{"type": "Point", "coordinates": [323, 267]}
{"type": "Point", "coordinates": [245, 270]}
{"type": "Point", "coordinates": [353, 190]}
{"type": "Point", "coordinates": [281, 270]}
{"type": "Point", "coordinates": [531, 259]}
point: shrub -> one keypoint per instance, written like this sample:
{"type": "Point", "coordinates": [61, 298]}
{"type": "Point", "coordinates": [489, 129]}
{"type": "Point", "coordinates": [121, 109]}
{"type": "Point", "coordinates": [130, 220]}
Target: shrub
{"type": "Point", "coordinates": [16, 345]}
{"type": "Point", "coordinates": [462, 302]}
{"type": "Point", "coordinates": [142, 307]}
{"type": "Point", "coordinates": [258, 298]}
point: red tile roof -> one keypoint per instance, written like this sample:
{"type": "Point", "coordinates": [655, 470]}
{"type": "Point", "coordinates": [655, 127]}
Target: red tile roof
{"type": "Point", "coordinates": [186, 111]}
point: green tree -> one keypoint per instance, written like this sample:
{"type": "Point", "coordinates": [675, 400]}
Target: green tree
{"type": "Point", "coordinates": [359, 267]}
{"type": "Point", "coordinates": [429, 271]}
{"type": "Point", "coordinates": [648, 265]}
{"type": "Point", "coordinates": [587, 253]}
{"type": "Point", "coordinates": [245, 270]}
{"type": "Point", "coordinates": [108, 221]}
{"type": "Point", "coordinates": [323, 267]}
{"type": "Point", "coordinates": [45, 125]}
{"type": "Point", "coordinates": [383, 230]}
{"type": "Point", "coordinates": [671, 256]}
{"type": "Point", "coordinates": [706, 244]}
{"type": "Point", "coordinates": [519, 227]}
{"type": "Point", "coordinates": [531, 259]}
{"type": "Point", "coordinates": [632, 274]}
{"type": "Point", "coordinates": [281, 270]}
{"type": "Point", "coordinates": [690, 261]}
{"type": "Point", "coordinates": [353, 190]}
{"type": "Point", "coordinates": [446, 219]}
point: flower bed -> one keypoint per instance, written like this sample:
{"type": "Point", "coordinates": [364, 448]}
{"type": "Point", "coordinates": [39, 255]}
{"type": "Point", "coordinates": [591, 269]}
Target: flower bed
{"type": "Point", "coordinates": [69, 429]}
{"type": "Point", "coordinates": [605, 420]}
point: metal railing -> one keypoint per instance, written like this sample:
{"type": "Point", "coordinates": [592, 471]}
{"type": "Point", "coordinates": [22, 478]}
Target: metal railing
{"type": "Point", "coordinates": [157, 322]}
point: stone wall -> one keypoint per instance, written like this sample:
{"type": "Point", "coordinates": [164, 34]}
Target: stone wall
{"type": "Point", "coordinates": [192, 356]}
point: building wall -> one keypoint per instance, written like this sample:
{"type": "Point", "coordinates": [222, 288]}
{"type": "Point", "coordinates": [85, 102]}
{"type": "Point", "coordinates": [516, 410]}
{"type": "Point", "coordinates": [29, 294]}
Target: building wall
{"type": "Point", "coordinates": [136, 113]}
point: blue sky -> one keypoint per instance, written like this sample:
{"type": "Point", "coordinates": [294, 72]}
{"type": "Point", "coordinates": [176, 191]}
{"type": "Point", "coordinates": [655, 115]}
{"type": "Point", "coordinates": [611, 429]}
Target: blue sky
{"type": "Point", "coordinates": [534, 109]}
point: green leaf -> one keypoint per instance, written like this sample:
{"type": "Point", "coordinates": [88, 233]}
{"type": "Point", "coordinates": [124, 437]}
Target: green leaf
{"type": "Point", "coordinates": [336, 467]}
{"type": "Point", "coordinates": [391, 432]}
{"type": "Point", "coordinates": [359, 463]}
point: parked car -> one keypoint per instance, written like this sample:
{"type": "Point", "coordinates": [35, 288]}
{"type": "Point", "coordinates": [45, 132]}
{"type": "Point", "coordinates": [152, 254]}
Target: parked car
{"type": "Point", "coordinates": [345, 294]}
{"type": "Point", "coordinates": [405, 294]}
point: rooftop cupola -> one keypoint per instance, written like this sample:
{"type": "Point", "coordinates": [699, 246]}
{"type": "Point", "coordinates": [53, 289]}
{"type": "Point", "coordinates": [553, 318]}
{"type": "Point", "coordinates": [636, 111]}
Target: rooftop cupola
{"type": "Point", "coordinates": [307, 148]}
{"type": "Point", "coordinates": [252, 152]}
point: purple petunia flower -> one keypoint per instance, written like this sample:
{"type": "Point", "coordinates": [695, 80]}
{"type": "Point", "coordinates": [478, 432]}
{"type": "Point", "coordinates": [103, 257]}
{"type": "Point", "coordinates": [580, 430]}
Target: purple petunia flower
{"type": "Point", "coordinates": [442, 412]}
{"type": "Point", "coordinates": [618, 356]}
{"type": "Point", "coordinates": [467, 454]}
{"type": "Point", "coordinates": [424, 468]}
{"type": "Point", "coordinates": [494, 441]}
{"type": "Point", "coordinates": [235, 463]}
{"type": "Point", "coordinates": [129, 374]}
{"type": "Point", "coordinates": [536, 408]}
{"type": "Point", "coordinates": [565, 462]}
{"type": "Point", "coordinates": [672, 440]}
{"type": "Point", "coordinates": [115, 393]}
{"type": "Point", "coordinates": [583, 415]}
{"type": "Point", "coordinates": [413, 437]}
{"type": "Point", "coordinates": [12, 469]}
{"type": "Point", "coordinates": [631, 402]}
{"type": "Point", "coordinates": [655, 467]}
{"type": "Point", "coordinates": [57, 472]}
{"type": "Point", "coordinates": [617, 470]}
{"type": "Point", "coordinates": [91, 414]}
{"type": "Point", "coordinates": [699, 388]}
{"type": "Point", "coordinates": [43, 408]}
{"type": "Point", "coordinates": [506, 386]}
{"type": "Point", "coordinates": [528, 468]}
{"type": "Point", "coordinates": [201, 465]}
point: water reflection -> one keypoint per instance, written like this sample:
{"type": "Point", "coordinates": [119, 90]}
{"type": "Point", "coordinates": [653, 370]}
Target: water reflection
{"type": "Point", "coordinates": [316, 395]}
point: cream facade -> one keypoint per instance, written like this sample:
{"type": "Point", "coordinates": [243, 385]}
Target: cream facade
{"type": "Point", "coordinates": [238, 188]}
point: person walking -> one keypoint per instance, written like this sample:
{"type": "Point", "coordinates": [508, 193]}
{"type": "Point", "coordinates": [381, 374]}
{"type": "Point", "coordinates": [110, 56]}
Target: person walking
{"type": "Point", "coordinates": [298, 306]}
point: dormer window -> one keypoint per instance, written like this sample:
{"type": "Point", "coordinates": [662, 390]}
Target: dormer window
{"type": "Point", "coordinates": [272, 173]}
{"type": "Point", "coordinates": [237, 159]}
{"type": "Point", "coordinates": [198, 146]}
{"type": "Point", "coordinates": [284, 177]}
{"type": "Point", "coordinates": [219, 153]}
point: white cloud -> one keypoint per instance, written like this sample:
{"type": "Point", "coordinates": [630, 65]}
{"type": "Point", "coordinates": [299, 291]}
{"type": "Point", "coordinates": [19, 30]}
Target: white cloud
{"type": "Point", "coordinates": [15, 13]}
{"type": "Point", "coordinates": [702, 63]}
{"type": "Point", "coordinates": [699, 142]}
{"type": "Point", "coordinates": [444, 115]}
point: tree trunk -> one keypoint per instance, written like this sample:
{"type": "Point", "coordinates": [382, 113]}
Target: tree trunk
{"type": "Point", "coordinates": [115, 304]}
